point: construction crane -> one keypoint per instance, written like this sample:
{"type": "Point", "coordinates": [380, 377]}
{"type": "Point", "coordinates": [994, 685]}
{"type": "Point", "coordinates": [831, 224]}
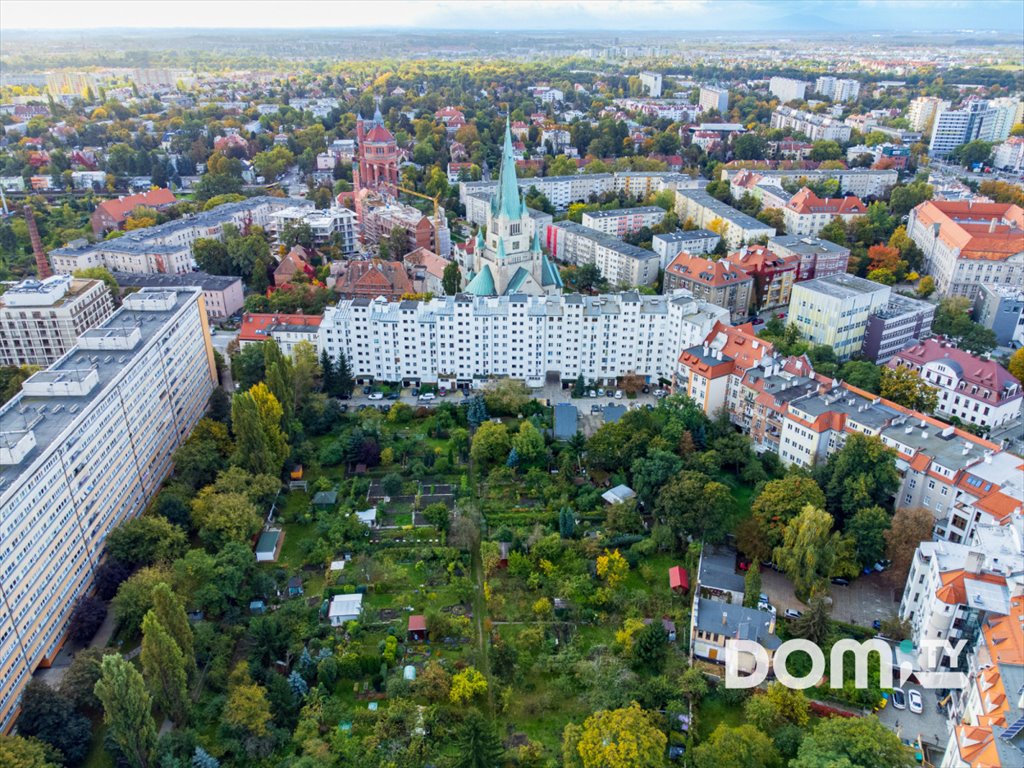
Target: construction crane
{"type": "Point", "coordinates": [434, 200]}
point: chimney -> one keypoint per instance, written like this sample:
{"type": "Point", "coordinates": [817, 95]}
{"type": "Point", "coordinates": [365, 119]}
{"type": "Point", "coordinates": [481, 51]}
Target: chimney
{"type": "Point", "coordinates": [725, 618]}
{"type": "Point", "coordinates": [992, 226]}
{"type": "Point", "coordinates": [43, 270]}
{"type": "Point", "coordinates": [975, 560]}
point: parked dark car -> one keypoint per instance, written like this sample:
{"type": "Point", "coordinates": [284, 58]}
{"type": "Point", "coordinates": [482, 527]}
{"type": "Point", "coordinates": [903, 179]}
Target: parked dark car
{"type": "Point", "coordinates": [415, 391]}
{"type": "Point", "coordinates": [841, 582]}
{"type": "Point", "coordinates": [391, 396]}
{"type": "Point", "coordinates": [366, 390]}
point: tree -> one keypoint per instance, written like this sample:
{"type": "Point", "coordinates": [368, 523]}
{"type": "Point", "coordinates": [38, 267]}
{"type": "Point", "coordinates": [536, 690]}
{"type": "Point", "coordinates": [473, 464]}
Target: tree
{"type": "Point", "coordinates": [51, 717]}
{"type": "Point", "coordinates": [223, 517]}
{"type": "Point", "coordinates": [248, 366]}
{"type": "Point", "coordinates": [21, 752]}
{"type": "Point", "coordinates": [528, 443]}
{"type": "Point", "coordinates": [862, 473]}
{"type": "Point", "coordinates": [146, 540]}
{"type": "Point", "coordinates": [438, 516]}
{"type": "Point", "coordinates": [953, 320]}
{"type": "Point", "coordinates": [80, 679]}
{"type": "Point", "coordinates": [910, 526]}
{"type": "Point", "coordinates": [392, 484]}
{"type": "Point", "coordinates": [749, 146]}
{"type": "Point", "coordinates": [621, 738]}
{"type": "Point", "coordinates": [972, 153]}
{"type": "Point", "coordinates": [1016, 365]}
{"type": "Point", "coordinates": [694, 506]}
{"type": "Point", "coordinates": [612, 567]}
{"type": "Point", "coordinates": [451, 279]}
{"type": "Point", "coordinates": [134, 597]}
{"type": "Point", "coordinates": [104, 274]}
{"type": "Point", "coordinates": [171, 614]}
{"type": "Point", "coordinates": [86, 619]}
{"type": "Point", "coordinates": [650, 646]}
{"type": "Point", "coordinates": [203, 759]}
{"type": "Point", "coordinates": [776, 707]}
{"type": "Point", "coordinates": [653, 471]}
{"type": "Point", "coordinates": [506, 397]}
{"type": "Point", "coordinates": [126, 710]}
{"type": "Point", "coordinates": [260, 445]}
{"type": "Point", "coordinates": [752, 585]}
{"type": "Point", "coordinates": [926, 287]}
{"type": "Point", "coordinates": [782, 500]}
{"type": "Point", "coordinates": [904, 386]}
{"type": "Point", "coordinates": [163, 667]}
{"type": "Point", "coordinates": [868, 527]}
{"type": "Point", "coordinates": [247, 708]}
{"type": "Point", "coordinates": [478, 744]}
{"type": "Point", "coordinates": [863, 375]}
{"type": "Point", "coordinates": [815, 623]}
{"type": "Point", "coordinates": [491, 444]}
{"type": "Point", "coordinates": [852, 742]}
{"type": "Point", "coordinates": [807, 550]}
{"type": "Point", "coordinates": [467, 685]}
{"type": "Point", "coordinates": [825, 150]}
{"type": "Point", "coordinates": [834, 232]}
{"type": "Point", "coordinates": [742, 746]}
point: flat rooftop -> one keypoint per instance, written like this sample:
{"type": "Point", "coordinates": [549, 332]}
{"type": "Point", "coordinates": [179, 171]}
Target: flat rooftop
{"type": "Point", "coordinates": [843, 286]}
{"type": "Point", "coordinates": [203, 280]}
{"type": "Point", "coordinates": [48, 416]}
{"type": "Point", "coordinates": [616, 212]}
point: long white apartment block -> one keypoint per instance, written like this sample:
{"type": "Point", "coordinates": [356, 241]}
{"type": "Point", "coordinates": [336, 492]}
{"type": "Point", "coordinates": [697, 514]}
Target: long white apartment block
{"type": "Point", "coordinates": [167, 247]}
{"type": "Point", "coordinates": [466, 340]}
{"type": "Point", "coordinates": [85, 445]}
{"type": "Point", "coordinates": [41, 319]}
{"type": "Point", "coordinates": [620, 263]}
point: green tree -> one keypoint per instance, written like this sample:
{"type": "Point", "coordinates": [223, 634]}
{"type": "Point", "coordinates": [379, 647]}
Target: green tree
{"type": "Point", "coordinates": [694, 506]}
{"type": "Point", "coordinates": [807, 550]}
{"type": "Point", "coordinates": [163, 667]}
{"type": "Point", "coordinates": [752, 585]}
{"type": "Point", "coordinates": [102, 273]}
{"type": "Point", "coordinates": [621, 738]}
{"type": "Point", "coordinates": [146, 540]}
{"type": "Point", "coordinates": [126, 710]}
{"type": "Point", "coordinates": [776, 707]}
{"type": "Point", "coordinates": [650, 647]}
{"type": "Point", "coordinates": [21, 752]}
{"type": "Point", "coordinates": [972, 153]}
{"type": "Point", "coordinates": [260, 445]}
{"type": "Point", "coordinates": [451, 279]}
{"type": "Point", "coordinates": [223, 517]}
{"type": "Point", "coordinates": [782, 500]}
{"type": "Point", "coordinates": [852, 742]}
{"type": "Point", "coordinates": [653, 471]}
{"type": "Point", "coordinates": [926, 287]}
{"type": "Point", "coordinates": [834, 232]}
{"type": "Point", "coordinates": [868, 527]}
{"type": "Point", "coordinates": [51, 717]}
{"type": "Point", "coordinates": [528, 442]}
{"type": "Point", "coordinates": [862, 473]}
{"type": "Point", "coordinates": [953, 320]}
{"type": "Point", "coordinates": [743, 746]}
{"type": "Point", "coordinates": [815, 623]}
{"type": "Point", "coordinates": [910, 526]}
{"type": "Point", "coordinates": [279, 379]}
{"type": "Point", "coordinates": [171, 614]}
{"type": "Point", "coordinates": [506, 397]}
{"type": "Point", "coordinates": [904, 386]}
{"type": "Point", "coordinates": [247, 708]}
{"type": "Point", "coordinates": [478, 744]}
{"type": "Point", "coordinates": [863, 375]}
{"type": "Point", "coordinates": [134, 597]}
{"type": "Point", "coordinates": [467, 684]}
{"type": "Point", "coordinates": [825, 150]}
{"type": "Point", "coordinates": [491, 444]}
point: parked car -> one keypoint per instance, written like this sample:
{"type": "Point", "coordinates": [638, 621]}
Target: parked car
{"type": "Point", "coordinates": [915, 702]}
{"type": "Point", "coordinates": [596, 408]}
{"type": "Point", "coordinates": [591, 393]}
{"type": "Point", "coordinates": [660, 393]}
{"type": "Point", "coordinates": [645, 389]}
{"type": "Point", "coordinates": [618, 394]}
{"type": "Point", "coordinates": [758, 321]}
{"type": "Point", "coordinates": [600, 392]}
{"type": "Point", "coordinates": [898, 698]}
{"type": "Point", "coordinates": [391, 396]}
{"type": "Point", "coordinates": [791, 614]}
{"type": "Point", "coordinates": [415, 391]}
{"type": "Point", "coordinates": [343, 408]}
{"type": "Point", "coordinates": [427, 396]}
{"type": "Point", "coordinates": [366, 390]}
{"type": "Point", "coordinates": [442, 393]}
{"type": "Point", "coordinates": [376, 396]}
{"type": "Point", "coordinates": [841, 582]}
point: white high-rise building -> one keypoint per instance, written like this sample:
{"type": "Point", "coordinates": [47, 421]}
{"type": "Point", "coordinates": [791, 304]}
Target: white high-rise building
{"type": "Point", "coordinates": [714, 98]}
{"type": "Point", "coordinates": [465, 340]}
{"type": "Point", "coordinates": [40, 320]}
{"type": "Point", "coordinates": [837, 89]}
{"type": "Point", "coordinates": [976, 120]}
{"type": "Point", "coordinates": [651, 81]}
{"type": "Point", "coordinates": [787, 89]}
{"type": "Point", "coordinates": [922, 110]}
{"type": "Point", "coordinates": [84, 446]}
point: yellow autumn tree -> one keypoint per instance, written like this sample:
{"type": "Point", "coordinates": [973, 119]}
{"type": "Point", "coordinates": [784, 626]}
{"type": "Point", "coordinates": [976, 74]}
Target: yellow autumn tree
{"type": "Point", "coordinates": [467, 685]}
{"type": "Point", "coordinates": [624, 636]}
{"type": "Point", "coordinates": [621, 738]}
{"type": "Point", "coordinates": [612, 567]}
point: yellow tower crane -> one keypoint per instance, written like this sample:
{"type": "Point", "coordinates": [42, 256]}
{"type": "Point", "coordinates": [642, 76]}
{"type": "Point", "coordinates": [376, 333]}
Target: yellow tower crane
{"type": "Point", "coordinates": [434, 200]}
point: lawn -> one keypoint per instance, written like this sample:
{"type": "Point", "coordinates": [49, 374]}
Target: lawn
{"type": "Point", "coordinates": [713, 711]}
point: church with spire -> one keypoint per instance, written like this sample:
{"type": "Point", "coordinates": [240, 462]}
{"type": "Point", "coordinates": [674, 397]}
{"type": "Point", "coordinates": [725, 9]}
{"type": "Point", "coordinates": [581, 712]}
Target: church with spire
{"type": "Point", "coordinates": [506, 259]}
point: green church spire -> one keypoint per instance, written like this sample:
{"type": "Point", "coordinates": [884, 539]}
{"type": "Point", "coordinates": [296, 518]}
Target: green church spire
{"type": "Point", "coordinates": [508, 201]}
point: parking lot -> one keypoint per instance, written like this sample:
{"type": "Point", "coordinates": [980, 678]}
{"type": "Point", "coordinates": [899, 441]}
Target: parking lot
{"type": "Point", "coordinates": [866, 599]}
{"type": "Point", "coordinates": [930, 725]}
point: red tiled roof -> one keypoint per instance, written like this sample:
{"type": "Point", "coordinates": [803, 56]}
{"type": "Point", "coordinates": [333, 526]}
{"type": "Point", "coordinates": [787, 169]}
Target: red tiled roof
{"type": "Point", "coordinates": [806, 202]}
{"type": "Point", "coordinates": [992, 231]}
{"type": "Point", "coordinates": [379, 135]}
{"type": "Point", "coordinates": [255, 325]}
{"type": "Point", "coordinates": [992, 379]}
{"type": "Point", "coordinates": [712, 273]}
{"type": "Point", "coordinates": [120, 209]}
{"type": "Point", "coordinates": [418, 623]}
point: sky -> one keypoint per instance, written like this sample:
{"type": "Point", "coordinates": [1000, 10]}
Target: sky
{"type": "Point", "coordinates": [577, 15]}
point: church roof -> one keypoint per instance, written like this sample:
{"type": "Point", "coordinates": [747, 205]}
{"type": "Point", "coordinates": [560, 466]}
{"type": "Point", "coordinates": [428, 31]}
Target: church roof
{"type": "Point", "coordinates": [517, 280]}
{"type": "Point", "coordinates": [549, 273]}
{"type": "Point", "coordinates": [482, 284]}
{"type": "Point", "coordinates": [508, 201]}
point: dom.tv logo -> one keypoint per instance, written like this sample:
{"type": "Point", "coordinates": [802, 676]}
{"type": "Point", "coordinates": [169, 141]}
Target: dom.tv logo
{"type": "Point", "coordinates": [747, 663]}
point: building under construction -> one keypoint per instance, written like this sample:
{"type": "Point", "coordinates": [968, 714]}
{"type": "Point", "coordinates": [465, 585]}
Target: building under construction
{"type": "Point", "coordinates": [380, 213]}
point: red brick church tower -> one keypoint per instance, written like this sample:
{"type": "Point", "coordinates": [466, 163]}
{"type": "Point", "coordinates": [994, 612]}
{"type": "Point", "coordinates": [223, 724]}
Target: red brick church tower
{"type": "Point", "coordinates": [377, 168]}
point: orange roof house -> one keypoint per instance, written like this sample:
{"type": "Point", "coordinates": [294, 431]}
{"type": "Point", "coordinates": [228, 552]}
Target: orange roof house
{"type": "Point", "coordinates": [296, 261]}
{"type": "Point", "coordinates": [373, 278]}
{"type": "Point", "coordinates": [111, 214]}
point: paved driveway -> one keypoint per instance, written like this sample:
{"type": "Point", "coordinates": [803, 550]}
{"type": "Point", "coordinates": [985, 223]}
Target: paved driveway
{"type": "Point", "coordinates": [931, 725]}
{"type": "Point", "coordinates": [865, 600]}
